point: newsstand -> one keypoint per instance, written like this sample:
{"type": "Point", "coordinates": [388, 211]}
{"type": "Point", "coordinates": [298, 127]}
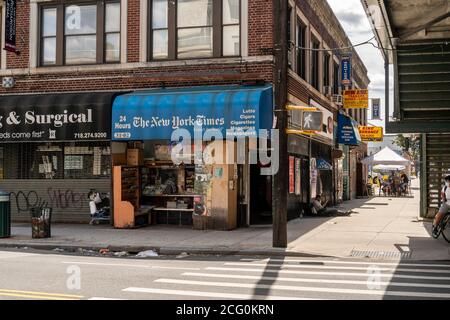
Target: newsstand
{"type": "Point", "coordinates": [41, 222]}
{"type": "Point", "coordinates": [5, 215]}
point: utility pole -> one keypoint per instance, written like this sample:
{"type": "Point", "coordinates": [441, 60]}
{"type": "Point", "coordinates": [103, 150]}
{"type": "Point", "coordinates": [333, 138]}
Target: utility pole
{"type": "Point", "coordinates": [281, 178]}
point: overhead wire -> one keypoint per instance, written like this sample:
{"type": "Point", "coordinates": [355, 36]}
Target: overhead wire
{"type": "Point", "coordinates": [369, 42]}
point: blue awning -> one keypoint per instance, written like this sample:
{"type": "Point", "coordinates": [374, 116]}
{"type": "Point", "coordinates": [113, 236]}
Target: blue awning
{"type": "Point", "coordinates": [155, 114]}
{"type": "Point", "coordinates": [347, 131]}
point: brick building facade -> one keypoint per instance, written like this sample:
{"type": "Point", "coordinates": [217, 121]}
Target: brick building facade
{"type": "Point", "coordinates": [135, 68]}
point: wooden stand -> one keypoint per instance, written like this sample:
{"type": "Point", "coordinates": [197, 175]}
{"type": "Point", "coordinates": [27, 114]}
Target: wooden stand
{"type": "Point", "coordinates": [127, 210]}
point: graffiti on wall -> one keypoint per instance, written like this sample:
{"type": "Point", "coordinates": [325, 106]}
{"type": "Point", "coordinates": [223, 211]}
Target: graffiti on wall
{"type": "Point", "coordinates": [24, 200]}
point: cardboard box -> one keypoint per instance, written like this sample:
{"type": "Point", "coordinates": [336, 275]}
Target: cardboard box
{"type": "Point", "coordinates": [119, 159]}
{"type": "Point", "coordinates": [171, 204]}
{"type": "Point", "coordinates": [138, 145]}
{"type": "Point", "coordinates": [135, 157]}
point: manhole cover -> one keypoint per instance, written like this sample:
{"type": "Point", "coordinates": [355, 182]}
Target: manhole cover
{"type": "Point", "coordinates": [381, 254]}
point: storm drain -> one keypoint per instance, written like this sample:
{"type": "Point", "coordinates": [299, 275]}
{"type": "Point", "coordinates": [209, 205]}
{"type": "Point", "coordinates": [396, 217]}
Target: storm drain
{"type": "Point", "coordinates": [381, 254]}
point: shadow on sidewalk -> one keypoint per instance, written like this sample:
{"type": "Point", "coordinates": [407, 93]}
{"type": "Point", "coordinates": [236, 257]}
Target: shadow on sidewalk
{"type": "Point", "coordinates": [427, 276]}
{"type": "Point", "coordinates": [268, 277]}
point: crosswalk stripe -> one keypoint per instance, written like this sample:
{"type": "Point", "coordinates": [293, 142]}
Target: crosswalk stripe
{"type": "Point", "coordinates": [311, 280]}
{"type": "Point", "coordinates": [405, 264]}
{"type": "Point", "coordinates": [103, 298]}
{"type": "Point", "coordinates": [61, 295]}
{"type": "Point", "coordinates": [353, 274]}
{"type": "Point", "coordinates": [245, 264]}
{"type": "Point", "coordinates": [206, 294]}
{"type": "Point", "coordinates": [127, 265]}
{"type": "Point", "coordinates": [307, 289]}
{"type": "Point", "coordinates": [33, 296]}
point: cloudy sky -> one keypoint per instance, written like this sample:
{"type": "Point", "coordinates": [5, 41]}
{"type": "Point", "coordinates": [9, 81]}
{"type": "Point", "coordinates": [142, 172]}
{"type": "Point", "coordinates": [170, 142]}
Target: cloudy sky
{"type": "Point", "coordinates": [353, 18]}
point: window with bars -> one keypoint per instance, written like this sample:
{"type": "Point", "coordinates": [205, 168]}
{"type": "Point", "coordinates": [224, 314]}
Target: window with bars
{"type": "Point", "coordinates": [80, 33]}
{"type": "Point", "coordinates": [185, 29]}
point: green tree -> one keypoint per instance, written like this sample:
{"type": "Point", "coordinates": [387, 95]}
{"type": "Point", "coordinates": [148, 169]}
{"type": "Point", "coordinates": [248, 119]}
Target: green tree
{"type": "Point", "coordinates": [409, 144]}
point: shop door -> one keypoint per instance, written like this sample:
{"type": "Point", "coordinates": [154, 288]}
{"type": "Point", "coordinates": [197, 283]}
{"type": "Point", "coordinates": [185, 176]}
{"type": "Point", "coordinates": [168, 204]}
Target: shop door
{"type": "Point", "coordinates": [353, 176]}
{"type": "Point", "coordinates": [242, 209]}
{"type": "Point", "coordinates": [260, 197]}
{"type": "Point", "coordinates": [360, 179]}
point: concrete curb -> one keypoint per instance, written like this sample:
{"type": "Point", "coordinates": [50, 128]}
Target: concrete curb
{"type": "Point", "coordinates": [166, 251]}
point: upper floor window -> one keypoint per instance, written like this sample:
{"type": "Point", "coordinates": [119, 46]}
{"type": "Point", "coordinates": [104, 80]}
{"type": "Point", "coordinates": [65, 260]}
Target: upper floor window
{"type": "Point", "coordinates": [315, 63]}
{"type": "Point", "coordinates": [326, 70]}
{"type": "Point", "coordinates": [336, 78]}
{"type": "Point", "coordinates": [81, 33]}
{"type": "Point", "coordinates": [184, 29]}
{"type": "Point", "coordinates": [289, 36]}
{"type": "Point", "coordinates": [301, 51]}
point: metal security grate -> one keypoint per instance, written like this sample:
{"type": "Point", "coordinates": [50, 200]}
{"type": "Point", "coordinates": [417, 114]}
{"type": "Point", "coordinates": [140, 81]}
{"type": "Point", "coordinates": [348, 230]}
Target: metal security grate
{"type": "Point", "coordinates": [380, 254]}
{"type": "Point", "coordinates": [437, 167]}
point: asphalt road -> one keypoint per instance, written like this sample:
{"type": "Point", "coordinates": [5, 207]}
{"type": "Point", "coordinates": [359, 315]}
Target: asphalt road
{"type": "Point", "coordinates": [27, 274]}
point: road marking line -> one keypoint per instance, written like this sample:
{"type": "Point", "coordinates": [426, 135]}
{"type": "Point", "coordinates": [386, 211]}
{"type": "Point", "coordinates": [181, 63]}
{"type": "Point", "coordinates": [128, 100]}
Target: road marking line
{"type": "Point", "coordinates": [12, 255]}
{"type": "Point", "coordinates": [245, 264]}
{"type": "Point", "coordinates": [103, 298]}
{"type": "Point", "coordinates": [42, 293]}
{"type": "Point", "coordinates": [309, 280]}
{"type": "Point", "coordinates": [34, 296]}
{"type": "Point", "coordinates": [307, 289]}
{"type": "Point", "coordinates": [354, 274]}
{"type": "Point", "coordinates": [126, 265]}
{"type": "Point", "coordinates": [351, 262]}
{"type": "Point", "coordinates": [206, 294]}
{"type": "Point", "coordinates": [174, 268]}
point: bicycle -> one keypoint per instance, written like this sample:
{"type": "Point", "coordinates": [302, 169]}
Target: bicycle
{"type": "Point", "coordinates": [444, 228]}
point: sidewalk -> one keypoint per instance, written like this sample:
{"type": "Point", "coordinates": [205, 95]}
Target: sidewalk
{"type": "Point", "coordinates": [388, 225]}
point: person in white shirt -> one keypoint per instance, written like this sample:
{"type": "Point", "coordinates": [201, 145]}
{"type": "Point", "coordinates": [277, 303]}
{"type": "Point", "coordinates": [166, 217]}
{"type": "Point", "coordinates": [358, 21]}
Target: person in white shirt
{"type": "Point", "coordinates": [319, 208]}
{"type": "Point", "coordinates": [445, 207]}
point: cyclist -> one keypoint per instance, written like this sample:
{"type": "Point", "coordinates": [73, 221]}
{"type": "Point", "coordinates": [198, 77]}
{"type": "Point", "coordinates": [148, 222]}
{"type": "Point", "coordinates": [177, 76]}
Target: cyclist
{"type": "Point", "coordinates": [445, 207]}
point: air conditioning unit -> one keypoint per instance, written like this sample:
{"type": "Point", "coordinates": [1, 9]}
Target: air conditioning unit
{"type": "Point", "coordinates": [337, 98]}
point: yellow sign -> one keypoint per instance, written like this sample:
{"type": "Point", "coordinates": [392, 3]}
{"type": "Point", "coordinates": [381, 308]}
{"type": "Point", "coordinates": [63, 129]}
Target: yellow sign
{"type": "Point", "coordinates": [356, 99]}
{"type": "Point", "coordinates": [370, 134]}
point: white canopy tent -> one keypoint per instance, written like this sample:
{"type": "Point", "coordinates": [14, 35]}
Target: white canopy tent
{"type": "Point", "coordinates": [388, 167]}
{"type": "Point", "coordinates": [386, 157]}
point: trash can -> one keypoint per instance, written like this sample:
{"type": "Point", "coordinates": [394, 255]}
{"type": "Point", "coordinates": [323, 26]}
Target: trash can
{"type": "Point", "coordinates": [41, 222]}
{"type": "Point", "coordinates": [5, 215]}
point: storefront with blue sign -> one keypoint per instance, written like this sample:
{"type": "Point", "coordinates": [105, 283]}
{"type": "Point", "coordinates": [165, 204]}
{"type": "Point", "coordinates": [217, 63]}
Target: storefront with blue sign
{"type": "Point", "coordinates": [157, 181]}
{"type": "Point", "coordinates": [348, 136]}
{"type": "Point", "coordinates": [348, 133]}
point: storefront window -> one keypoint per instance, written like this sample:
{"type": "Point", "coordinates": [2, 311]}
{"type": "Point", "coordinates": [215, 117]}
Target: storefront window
{"type": "Point", "coordinates": [57, 160]}
{"type": "Point", "coordinates": [1, 163]}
